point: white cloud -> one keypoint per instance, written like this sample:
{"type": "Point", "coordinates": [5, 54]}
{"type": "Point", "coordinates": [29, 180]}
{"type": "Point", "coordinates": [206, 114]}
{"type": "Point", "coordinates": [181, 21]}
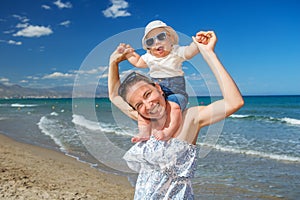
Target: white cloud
{"type": "Point", "coordinates": [14, 42]}
{"type": "Point", "coordinates": [17, 16]}
{"type": "Point", "coordinates": [96, 71]}
{"type": "Point", "coordinates": [21, 18]}
{"type": "Point", "coordinates": [8, 32]}
{"type": "Point", "coordinates": [25, 20]}
{"type": "Point", "coordinates": [22, 25]}
{"type": "Point", "coordinates": [90, 75]}
{"type": "Point", "coordinates": [65, 23]}
{"type": "Point", "coordinates": [117, 9]}
{"type": "Point", "coordinates": [104, 75]}
{"type": "Point", "coordinates": [62, 5]}
{"type": "Point", "coordinates": [28, 30]}
{"type": "Point", "coordinates": [42, 48]}
{"type": "Point", "coordinates": [34, 31]}
{"type": "Point", "coordinates": [56, 75]}
{"type": "Point", "coordinates": [46, 7]}
{"type": "Point", "coordinates": [33, 77]}
{"type": "Point", "coordinates": [5, 81]}
{"type": "Point", "coordinates": [194, 77]}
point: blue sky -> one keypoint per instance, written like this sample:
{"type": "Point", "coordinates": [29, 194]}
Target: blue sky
{"type": "Point", "coordinates": [44, 43]}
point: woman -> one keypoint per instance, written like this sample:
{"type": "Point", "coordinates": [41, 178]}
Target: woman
{"type": "Point", "coordinates": [166, 167]}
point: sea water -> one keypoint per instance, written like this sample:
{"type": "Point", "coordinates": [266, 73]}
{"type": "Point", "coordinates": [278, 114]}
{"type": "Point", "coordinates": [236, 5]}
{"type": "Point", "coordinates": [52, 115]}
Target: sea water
{"type": "Point", "coordinates": [256, 154]}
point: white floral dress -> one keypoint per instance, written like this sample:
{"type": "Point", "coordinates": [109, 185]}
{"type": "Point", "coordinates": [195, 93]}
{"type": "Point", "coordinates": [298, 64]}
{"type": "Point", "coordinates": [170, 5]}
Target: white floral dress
{"type": "Point", "coordinates": [165, 169]}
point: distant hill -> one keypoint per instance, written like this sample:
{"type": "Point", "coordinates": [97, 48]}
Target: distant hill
{"type": "Point", "coordinates": [17, 91]}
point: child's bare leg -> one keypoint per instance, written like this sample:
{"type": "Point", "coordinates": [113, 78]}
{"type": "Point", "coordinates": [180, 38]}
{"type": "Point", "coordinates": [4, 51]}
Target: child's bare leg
{"type": "Point", "coordinates": [144, 126]}
{"type": "Point", "coordinates": [174, 124]}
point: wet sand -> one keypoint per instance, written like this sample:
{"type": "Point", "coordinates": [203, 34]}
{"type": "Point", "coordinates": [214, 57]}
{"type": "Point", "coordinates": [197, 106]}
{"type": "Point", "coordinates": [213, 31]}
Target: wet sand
{"type": "Point", "coordinates": [30, 172]}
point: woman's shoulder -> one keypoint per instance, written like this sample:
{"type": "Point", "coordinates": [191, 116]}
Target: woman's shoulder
{"type": "Point", "coordinates": [192, 113]}
{"type": "Point", "coordinates": [190, 125]}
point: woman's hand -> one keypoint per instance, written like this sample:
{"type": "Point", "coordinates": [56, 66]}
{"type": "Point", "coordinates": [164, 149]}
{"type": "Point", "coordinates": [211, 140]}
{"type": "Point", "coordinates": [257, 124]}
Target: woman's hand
{"type": "Point", "coordinates": [205, 40]}
{"type": "Point", "coordinates": [120, 53]}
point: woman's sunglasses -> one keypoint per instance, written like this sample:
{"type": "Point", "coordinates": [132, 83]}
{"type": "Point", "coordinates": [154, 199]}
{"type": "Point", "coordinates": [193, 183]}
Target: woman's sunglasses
{"type": "Point", "coordinates": [160, 37]}
{"type": "Point", "coordinates": [133, 77]}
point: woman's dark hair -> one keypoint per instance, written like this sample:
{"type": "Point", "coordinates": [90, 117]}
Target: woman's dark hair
{"type": "Point", "coordinates": [130, 80]}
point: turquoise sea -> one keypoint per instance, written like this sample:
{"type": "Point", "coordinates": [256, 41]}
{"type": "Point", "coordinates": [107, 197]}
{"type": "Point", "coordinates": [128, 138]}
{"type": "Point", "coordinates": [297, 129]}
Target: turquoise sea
{"type": "Point", "coordinates": [256, 154]}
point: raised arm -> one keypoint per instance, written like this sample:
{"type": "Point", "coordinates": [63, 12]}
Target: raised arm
{"type": "Point", "coordinates": [114, 83]}
{"type": "Point", "coordinates": [133, 58]}
{"type": "Point", "coordinates": [191, 51]}
{"type": "Point", "coordinates": [232, 98]}
{"type": "Point", "coordinates": [136, 60]}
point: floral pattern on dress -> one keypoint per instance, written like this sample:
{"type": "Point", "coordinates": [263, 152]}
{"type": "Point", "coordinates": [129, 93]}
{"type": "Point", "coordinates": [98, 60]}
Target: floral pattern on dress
{"type": "Point", "coordinates": [165, 169]}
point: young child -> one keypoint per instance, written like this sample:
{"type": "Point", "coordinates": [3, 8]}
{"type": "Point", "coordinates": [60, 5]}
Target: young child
{"type": "Point", "coordinates": [164, 58]}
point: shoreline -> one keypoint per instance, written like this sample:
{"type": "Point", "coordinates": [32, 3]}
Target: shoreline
{"type": "Point", "coordinates": [32, 172]}
{"type": "Point", "coordinates": [106, 97]}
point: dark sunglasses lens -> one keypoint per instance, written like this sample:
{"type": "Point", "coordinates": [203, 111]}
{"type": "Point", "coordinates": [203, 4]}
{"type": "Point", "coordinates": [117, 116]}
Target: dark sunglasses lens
{"type": "Point", "coordinates": [149, 42]}
{"type": "Point", "coordinates": [161, 36]}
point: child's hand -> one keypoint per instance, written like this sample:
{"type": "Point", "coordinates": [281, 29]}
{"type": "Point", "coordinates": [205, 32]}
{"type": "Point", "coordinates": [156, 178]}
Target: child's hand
{"type": "Point", "coordinates": [116, 57]}
{"type": "Point", "coordinates": [203, 37]}
{"type": "Point", "coordinates": [121, 49]}
{"type": "Point", "coordinates": [205, 41]}
{"type": "Point", "coordinates": [125, 48]}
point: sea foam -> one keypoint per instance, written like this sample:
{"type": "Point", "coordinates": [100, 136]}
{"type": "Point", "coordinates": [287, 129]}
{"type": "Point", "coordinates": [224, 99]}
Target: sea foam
{"type": "Point", "coordinates": [44, 125]}
{"type": "Point", "coordinates": [98, 126]}
{"type": "Point", "coordinates": [287, 120]}
{"type": "Point", "coordinates": [291, 121]}
{"type": "Point", "coordinates": [18, 105]}
{"type": "Point", "coordinates": [239, 116]}
{"type": "Point", "coordinates": [255, 153]}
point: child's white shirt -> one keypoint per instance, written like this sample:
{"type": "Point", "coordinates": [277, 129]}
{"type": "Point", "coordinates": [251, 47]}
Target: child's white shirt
{"type": "Point", "coordinates": [168, 66]}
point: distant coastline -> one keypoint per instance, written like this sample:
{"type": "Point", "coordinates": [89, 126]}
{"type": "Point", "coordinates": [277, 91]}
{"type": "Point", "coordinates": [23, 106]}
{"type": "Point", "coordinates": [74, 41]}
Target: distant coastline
{"type": "Point", "coordinates": [105, 96]}
{"type": "Point", "coordinates": [19, 92]}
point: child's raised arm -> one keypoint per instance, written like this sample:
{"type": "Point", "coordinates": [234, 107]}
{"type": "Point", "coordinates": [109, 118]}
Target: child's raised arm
{"type": "Point", "coordinates": [136, 60]}
{"type": "Point", "coordinates": [132, 57]}
{"type": "Point", "coordinates": [192, 49]}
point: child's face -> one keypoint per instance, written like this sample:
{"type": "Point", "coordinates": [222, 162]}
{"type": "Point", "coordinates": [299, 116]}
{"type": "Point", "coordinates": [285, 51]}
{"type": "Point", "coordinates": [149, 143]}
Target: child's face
{"type": "Point", "coordinates": [160, 48]}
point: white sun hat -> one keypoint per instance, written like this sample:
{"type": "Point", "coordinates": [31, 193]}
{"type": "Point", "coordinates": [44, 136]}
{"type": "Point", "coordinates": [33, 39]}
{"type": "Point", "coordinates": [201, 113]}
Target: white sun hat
{"type": "Point", "coordinates": [159, 24]}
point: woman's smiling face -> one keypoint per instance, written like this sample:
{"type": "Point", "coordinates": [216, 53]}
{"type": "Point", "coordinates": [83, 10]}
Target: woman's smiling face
{"type": "Point", "coordinates": [147, 99]}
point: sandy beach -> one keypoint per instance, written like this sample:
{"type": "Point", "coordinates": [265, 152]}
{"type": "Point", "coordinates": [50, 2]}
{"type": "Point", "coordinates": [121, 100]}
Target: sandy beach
{"type": "Point", "coordinates": [30, 172]}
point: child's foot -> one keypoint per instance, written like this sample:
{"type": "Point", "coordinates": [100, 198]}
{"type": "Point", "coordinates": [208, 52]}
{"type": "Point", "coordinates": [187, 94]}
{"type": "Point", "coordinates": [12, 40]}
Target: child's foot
{"type": "Point", "coordinates": [139, 138]}
{"type": "Point", "coordinates": [159, 135]}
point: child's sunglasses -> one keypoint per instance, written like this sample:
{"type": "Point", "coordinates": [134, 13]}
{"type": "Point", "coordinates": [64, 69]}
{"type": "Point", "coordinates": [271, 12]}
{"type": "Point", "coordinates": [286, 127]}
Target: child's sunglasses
{"type": "Point", "coordinates": [160, 37]}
